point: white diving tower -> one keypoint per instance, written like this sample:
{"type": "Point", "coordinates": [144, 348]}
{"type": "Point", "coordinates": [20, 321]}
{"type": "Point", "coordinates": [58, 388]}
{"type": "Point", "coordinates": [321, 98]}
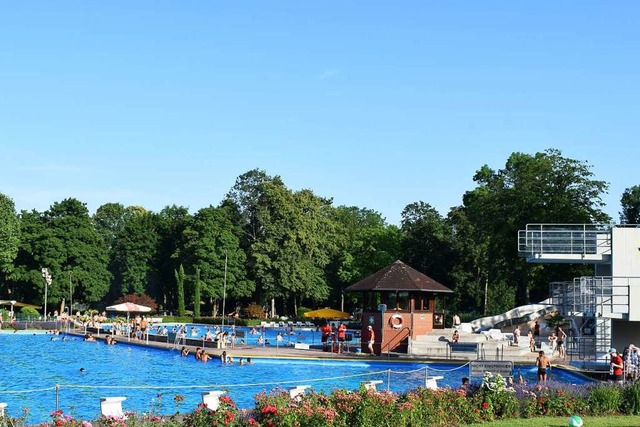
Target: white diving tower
{"type": "Point", "coordinates": [603, 304]}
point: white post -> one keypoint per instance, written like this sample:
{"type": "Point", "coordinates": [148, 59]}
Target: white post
{"type": "Point", "coordinates": [224, 290]}
{"type": "Point", "coordinates": [47, 282]}
{"type": "Point", "coordinates": [70, 296]}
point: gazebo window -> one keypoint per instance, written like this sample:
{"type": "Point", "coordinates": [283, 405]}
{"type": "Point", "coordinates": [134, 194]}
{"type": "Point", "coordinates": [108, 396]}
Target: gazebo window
{"type": "Point", "coordinates": [398, 300]}
{"type": "Point", "coordinates": [403, 301]}
{"type": "Point", "coordinates": [422, 301]}
{"type": "Point", "coordinates": [372, 299]}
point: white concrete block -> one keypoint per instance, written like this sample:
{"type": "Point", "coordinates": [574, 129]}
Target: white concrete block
{"type": "Point", "coordinates": [212, 399]}
{"type": "Point", "coordinates": [297, 391]}
{"type": "Point", "coordinates": [370, 385]}
{"type": "Point", "coordinates": [112, 406]}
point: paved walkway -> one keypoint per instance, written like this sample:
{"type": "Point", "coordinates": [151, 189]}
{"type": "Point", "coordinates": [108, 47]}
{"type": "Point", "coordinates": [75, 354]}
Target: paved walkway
{"type": "Point", "coordinates": [510, 354]}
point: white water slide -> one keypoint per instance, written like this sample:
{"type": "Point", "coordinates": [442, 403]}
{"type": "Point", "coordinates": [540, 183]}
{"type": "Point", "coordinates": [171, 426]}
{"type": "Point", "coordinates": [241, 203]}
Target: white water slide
{"type": "Point", "coordinates": [522, 314]}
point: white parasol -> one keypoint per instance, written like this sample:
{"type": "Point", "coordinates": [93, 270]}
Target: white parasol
{"type": "Point", "coordinates": [129, 307]}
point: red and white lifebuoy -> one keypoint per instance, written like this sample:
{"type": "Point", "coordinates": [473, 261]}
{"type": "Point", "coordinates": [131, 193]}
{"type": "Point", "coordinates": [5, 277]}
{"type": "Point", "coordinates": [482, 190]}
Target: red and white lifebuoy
{"type": "Point", "coordinates": [396, 321]}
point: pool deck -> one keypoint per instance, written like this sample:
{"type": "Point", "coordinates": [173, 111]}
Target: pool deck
{"type": "Point", "coordinates": [492, 350]}
{"type": "Point", "coordinates": [315, 352]}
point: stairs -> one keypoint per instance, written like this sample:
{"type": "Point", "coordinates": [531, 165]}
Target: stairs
{"type": "Point", "coordinates": [435, 345]}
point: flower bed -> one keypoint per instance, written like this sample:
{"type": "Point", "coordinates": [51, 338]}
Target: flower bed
{"type": "Point", "coordinates": [494, 399]}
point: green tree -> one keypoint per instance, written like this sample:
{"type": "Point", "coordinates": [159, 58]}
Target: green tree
{"type": "Point", "coordinates": [63, 240]}
{"type": "Point", "coordinates": [364, 244]}
{"type": "Point", "coordinates": [109, 221]}
{"type": "Point", "coordinates": [543, 188]}
{"type": "Point", "coordinates": [207, 240]}
{"type": "Point", "coordinates": [9, 237]}
{"type": "Point", "coordinates": [243, 205]}
{"type": "Point", "coordinates": [179, 274]}
{"type": "Point", "coordinates": [170, 225]}
{"type": "Point", "coordinates": [295, 246]}
{"type": "Point", "coordinates": [427, 243]}
{"type": "Point", "coordinates": [630, 202]}
{"type": "Point", "coordinates": [196, 295]}
{"type": "Point", "coordinates": [134, 250]}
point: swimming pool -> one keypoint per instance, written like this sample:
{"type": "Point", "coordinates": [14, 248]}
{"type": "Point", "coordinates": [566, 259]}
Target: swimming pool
{"type": "Point", "coordinates": [249, 336]}
{"type": "Point", "coordinates": [150, 378]}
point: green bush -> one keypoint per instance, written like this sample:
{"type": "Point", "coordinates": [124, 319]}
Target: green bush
{"type": "Point", "coordinates": [177, 319]}
{"type": "Point", "coordinates": [29, 312]}
{"type": "Point", "coordinates": [302, 311]}
{"type": "Point", "coordinates": [254, 311]}
{"type": "Point", "coordinates": [604, 399]}
{"type": "Point", "coordinates": [631, 399]}
{"type": "Point", "coordinates": [218, 321]}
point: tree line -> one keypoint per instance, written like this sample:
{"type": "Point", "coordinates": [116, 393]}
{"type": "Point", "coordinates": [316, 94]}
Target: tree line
{"type": "Point", "coordinates": [264, 241]}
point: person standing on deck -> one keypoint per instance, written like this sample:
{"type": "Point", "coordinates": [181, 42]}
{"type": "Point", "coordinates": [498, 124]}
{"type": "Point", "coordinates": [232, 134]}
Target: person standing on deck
{"type": "Point", "coordinates": [342, 335]}
{"type": "Point", "coordinates": [456, 321]}
{"type": "Point", "coordinates": [617, 366]}
{"type": "Point", "coordinates": [326, 333]}
{"type": "Point", "coordinates": [536, 331]}
{"type": "Point", "coordinates": [516, 336]}
{"type": "Point", "coordinates": [371, 339]}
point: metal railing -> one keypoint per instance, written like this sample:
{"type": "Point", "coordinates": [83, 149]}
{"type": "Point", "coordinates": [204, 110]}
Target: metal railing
{"type": "Point", "coordinates": [598, 296]}
{"type": "Point", "coordinates": [569, 239]}
{"type": "Point", "coordinates": [401, 336]}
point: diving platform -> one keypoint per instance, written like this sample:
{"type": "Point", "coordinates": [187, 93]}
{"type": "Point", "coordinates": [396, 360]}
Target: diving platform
{"type": "Point", "coordinates": [565, 243]}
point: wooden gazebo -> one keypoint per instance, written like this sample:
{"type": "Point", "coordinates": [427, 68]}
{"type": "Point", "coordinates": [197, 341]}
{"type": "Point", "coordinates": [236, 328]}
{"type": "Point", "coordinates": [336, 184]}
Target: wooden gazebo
{"type": "Point", "coordinates": [400, 303]}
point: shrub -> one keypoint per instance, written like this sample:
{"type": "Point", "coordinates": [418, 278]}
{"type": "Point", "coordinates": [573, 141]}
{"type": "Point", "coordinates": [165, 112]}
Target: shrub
{"type": "Point", "coordinates": [29, 312]}
{"type": "Point", "coordinates": [631, 399]}
{"type": "Point", "coordinates": [604, 399]}
{"type": "Point", "coordinates": [143, 299]}
{"type": "Point", "coordinates": [254, 311]}
{"type": "Point", "coordinates": [226, 415]}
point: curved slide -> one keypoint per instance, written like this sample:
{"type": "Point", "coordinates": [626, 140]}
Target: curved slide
{"type": "Point", "coordinates": [522, 314]}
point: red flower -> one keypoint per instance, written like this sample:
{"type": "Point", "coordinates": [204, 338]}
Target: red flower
{"type": "Point", "coordinates": [485, 405]}
{"type": "Point", "coordinates": [270, 410]}
{"type": "Point", "coordinates": [228, 417]}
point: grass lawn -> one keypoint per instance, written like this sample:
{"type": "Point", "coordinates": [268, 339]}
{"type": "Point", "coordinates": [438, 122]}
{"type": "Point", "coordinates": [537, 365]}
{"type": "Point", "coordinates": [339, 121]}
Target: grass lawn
{"type": "Point", "coordinates": [612, 421]}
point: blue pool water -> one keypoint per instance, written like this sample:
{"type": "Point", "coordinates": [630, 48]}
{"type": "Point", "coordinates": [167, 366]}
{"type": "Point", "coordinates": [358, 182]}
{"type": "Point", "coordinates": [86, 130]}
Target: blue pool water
{"type": "Point", "coordinates": [32, 365]}
{"type": "Point", "coordinates": [250, 336]}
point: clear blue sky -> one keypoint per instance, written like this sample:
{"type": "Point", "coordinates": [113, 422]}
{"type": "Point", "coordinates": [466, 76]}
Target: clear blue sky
{"type": "Point", "coordinates": [375, 104]}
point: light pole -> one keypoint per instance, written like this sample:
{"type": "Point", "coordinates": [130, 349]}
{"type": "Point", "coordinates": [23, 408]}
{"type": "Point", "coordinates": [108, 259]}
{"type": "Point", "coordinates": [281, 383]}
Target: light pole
{"type": "Point", "coordinates": [224, 290]}
{"type": "Point", "coordinates": [70, 296]}
{"type": "Point", "coordinates": [47, 282]}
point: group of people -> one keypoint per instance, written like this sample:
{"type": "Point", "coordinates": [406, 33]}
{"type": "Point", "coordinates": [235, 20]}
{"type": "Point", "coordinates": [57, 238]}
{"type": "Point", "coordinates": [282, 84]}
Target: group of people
{"type": "Point", "coordinates": [331, 336]}
{"type": "Point", "coordinates": [556, 340]}
{"type": "Point", "coordinates": [202, 356]}
{"type": "Point", "coordinates": [624, 366]}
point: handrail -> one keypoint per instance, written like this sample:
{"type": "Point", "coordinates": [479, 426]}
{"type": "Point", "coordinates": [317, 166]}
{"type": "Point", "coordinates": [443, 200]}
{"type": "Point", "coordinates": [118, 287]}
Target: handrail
{"type": "Point", "coordinates": [396, 340]}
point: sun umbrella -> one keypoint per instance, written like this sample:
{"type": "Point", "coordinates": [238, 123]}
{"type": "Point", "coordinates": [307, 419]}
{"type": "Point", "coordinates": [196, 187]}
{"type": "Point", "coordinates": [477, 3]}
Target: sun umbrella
{"type": "Point", "coordinates": [327, 313]}
{"type": "Point", "coordinates": [129, 307]}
